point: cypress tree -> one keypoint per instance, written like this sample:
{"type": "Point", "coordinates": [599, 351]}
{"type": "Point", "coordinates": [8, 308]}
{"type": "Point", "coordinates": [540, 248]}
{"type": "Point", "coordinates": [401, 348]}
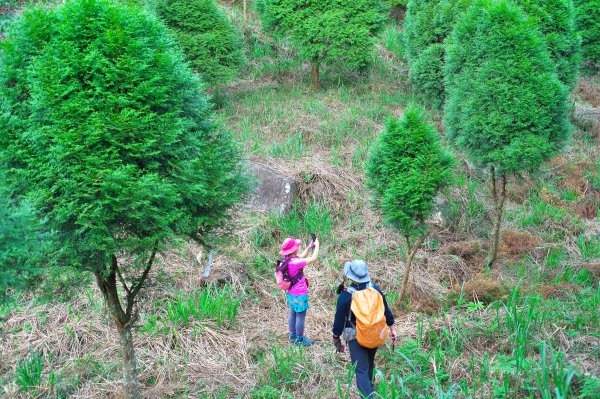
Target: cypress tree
{"type": "Point", "coordinates": [210, 42]}
{"type": "Point", "coordinates": [326, 31]}
{"type": "Point", "coordinates": [106, 132]}
{"type": "Point", "coordinates": [427, 24]}
{"type": "Point", "coordinates": [588, 24]}
{"type": "Point", "coordinates": [406, 170]}
{"type": "Point", "coordinates": [506, 108]}
{"type": "Point", "coordinates": [430, 22]}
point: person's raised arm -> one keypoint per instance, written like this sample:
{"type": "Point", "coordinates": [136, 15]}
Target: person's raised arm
{"type": "Point", "coordinates": [314, 255]}
{"type": "Point", "coordinates": [304, 253]}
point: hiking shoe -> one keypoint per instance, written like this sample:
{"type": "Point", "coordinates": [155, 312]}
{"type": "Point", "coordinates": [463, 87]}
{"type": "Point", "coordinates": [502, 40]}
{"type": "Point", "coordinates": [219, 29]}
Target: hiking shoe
{"type": "Point", "coordinates": [293, 338]}
{"type": "Point", "coordinates": [304, 341]}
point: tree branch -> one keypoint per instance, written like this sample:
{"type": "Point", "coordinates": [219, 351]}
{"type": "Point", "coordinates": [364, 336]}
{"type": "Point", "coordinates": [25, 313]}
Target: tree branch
{"type": "Point", "coordinates": [418, 243]}
{"type": "Point", "coordinates": [115, 266]}
{"type": "Point", "coordinates": [138, 286]}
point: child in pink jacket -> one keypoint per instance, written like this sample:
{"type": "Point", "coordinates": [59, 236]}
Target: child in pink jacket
{"type": "Point", "coordinates": [297, 294]}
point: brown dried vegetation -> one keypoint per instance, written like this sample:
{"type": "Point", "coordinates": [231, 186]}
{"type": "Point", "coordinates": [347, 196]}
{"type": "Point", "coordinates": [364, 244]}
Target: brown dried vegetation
{"type": "Point", "coordinates": [483, 289]}
{"type": "Point", "coordinates": [515, 243]}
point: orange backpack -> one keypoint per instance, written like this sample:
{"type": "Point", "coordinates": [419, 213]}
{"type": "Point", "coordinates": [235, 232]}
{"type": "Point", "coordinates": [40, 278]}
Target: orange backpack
{"type": "Point", "coordinates": [367, 305]}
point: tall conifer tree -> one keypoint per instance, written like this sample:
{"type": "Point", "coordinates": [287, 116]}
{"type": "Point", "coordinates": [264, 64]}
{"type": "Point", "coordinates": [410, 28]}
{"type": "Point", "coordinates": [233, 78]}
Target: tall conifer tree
{"type": "Point", "coordinates": [430, 22]}
{"type": "Point", "coordinates": [326, 31]}
{"type": "Point", "coordinates": [107, 134]}
{"type": "Point", "coordinates": [506, 108]}
{"type": "Point", "coordinates": [210, 42]}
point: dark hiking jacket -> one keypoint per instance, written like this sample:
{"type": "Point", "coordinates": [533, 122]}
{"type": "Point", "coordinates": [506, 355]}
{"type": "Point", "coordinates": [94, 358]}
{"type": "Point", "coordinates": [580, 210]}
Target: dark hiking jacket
{"type": "Point", "coordinates": [343, 309]}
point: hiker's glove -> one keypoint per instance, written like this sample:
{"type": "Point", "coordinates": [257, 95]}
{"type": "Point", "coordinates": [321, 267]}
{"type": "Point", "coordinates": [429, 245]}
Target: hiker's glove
{"type": "Point", "coordinates": [339, 347]}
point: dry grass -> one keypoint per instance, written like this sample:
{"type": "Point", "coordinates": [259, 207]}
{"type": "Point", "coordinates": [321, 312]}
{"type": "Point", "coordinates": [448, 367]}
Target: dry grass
{"type": "Point", "coordinates": [562, 290]}
{"type": "Point", "coordinates": [319, 180]}
{"type": "Point", "coordinates": [483, 289]}
{"type": "Point", "coordinates": [515, 243]}
{"type": "Point", "coordinates": [183, 358]}
{"type": "Point", "coordinates": [588, 90]}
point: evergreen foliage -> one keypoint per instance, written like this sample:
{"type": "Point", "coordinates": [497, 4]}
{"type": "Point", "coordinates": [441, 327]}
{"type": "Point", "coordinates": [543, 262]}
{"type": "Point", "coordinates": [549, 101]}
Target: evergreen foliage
{"type": "Point", "coordinates": [327, 31]}
{"type": "Point", "coordinates": [555, 20]}
{"type": "Point", "coordinates": [106, 133]}
{"type": "Point", "coordinates": [406, 169]}
{"type": "Point", "coordinates": [20, 247]}
{"type": "Point", "coordinates": [506, 108]}
{"type": "Point", "coordinates": [429, 23]}
{"type": "Point", "coordinates": [209, 40]}
{"type": "Point", "coordinates": [427, 74]}
{"type": "Point", "coordinates": [588, 23]}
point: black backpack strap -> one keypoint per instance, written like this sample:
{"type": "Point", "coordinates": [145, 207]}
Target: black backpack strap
{"type": "Point", "coordinates": [296, 278]}
{"type": "Point", "coordinates": [283, 268]}
{"type": "Point", "coordinates": [351, 291]}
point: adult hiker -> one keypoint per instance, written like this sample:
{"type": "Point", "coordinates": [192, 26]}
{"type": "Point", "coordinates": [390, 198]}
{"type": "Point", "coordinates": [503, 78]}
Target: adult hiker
{"type": "Point", "coordinates": [363, 319]}
{"type": "Point", "coordinates": [293, 265]}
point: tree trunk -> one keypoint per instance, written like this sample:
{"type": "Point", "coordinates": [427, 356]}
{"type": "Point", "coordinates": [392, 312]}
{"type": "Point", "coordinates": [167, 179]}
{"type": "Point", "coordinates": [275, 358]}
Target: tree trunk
{"type": "Point", "coordinates": [498, 188]}
{"type": "Point", "coordinates": [245, 8]}
{"type": "Point", "coordinates": [130, 367]}
{"type": "Point", "coordinates": [411, 255]}
{"type": "Point", "coordinates": [124, 317]}
{"type": "Point", "coordinates": [314, 74]}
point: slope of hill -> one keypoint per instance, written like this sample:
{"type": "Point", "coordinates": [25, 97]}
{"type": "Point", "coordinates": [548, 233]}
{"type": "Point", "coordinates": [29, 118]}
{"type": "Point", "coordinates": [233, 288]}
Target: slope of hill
{"type": "Point", "coordinates": [529, 328]}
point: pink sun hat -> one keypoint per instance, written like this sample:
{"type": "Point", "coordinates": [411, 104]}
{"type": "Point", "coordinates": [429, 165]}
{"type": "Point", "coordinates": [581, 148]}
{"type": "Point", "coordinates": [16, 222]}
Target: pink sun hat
{"type": "Point", "coordinates": [289, 246]}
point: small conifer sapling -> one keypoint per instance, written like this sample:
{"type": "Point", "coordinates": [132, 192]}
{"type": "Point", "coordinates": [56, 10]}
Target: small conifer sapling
{"type": "Point", "coordinates": [407, 169]}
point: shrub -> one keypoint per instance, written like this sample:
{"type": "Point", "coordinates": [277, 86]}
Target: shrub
{"type": "Point", "coordinates": [406, 170]}
{"type": "Point", "coordinates": [326, 31]}
{"type": "Point", "coordinates": [506, 108]}
{"type": "Point", "coordinates": [588, 23]}
{"type": "Point", "coordinates": [109, 137]}
{"type": "Point", "coordinates": [210, 42]}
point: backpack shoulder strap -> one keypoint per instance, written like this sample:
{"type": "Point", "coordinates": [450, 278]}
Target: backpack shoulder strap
{"type": "Point", "coordinates": [282, 264]}
{"type": "Point", "coordinates": [351, 291]}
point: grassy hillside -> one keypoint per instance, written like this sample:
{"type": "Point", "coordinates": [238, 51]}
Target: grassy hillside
{"type": "Point", "coordinates": [529, 328]}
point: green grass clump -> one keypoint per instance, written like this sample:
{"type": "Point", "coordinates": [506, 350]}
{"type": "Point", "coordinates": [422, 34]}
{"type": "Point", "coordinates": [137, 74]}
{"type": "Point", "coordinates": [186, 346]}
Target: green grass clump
{"type": "Point", "coordinates": [283, 367]}
{"type": "Point", "coordinates": [29, 372]}
{"type": "Point", "coordinates": [293, 147]}
{"type": "Point", "coordinates": [589, 247]}
{"type": "Point", "coordinates": [270, 392]}
{"type": "Point", "coordinates": [299, 222]}
{"type": "Point", "coordinates": [553, 221]}
{"type": "Point", "coordinates": [220, 304]}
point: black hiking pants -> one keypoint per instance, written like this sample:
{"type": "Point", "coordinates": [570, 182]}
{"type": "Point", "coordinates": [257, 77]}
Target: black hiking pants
{"type": "Point", "coordinates": [364, 360]}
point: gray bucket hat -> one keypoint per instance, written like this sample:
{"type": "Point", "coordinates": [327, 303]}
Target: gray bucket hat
{"type": "Point", "coordinates": [357, 270]}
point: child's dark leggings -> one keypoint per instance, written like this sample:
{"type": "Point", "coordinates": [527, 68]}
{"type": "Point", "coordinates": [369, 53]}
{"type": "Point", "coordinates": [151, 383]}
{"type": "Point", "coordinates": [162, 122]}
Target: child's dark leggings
{"type": "Point", "coordinates": [296, 322]}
